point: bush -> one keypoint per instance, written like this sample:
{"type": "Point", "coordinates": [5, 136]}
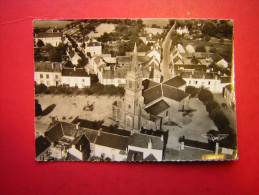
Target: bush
{"type": "Point", "coordinates": [200, 48]}
{"type": "Point", "coordinates": [205, 96]}
{"type": "Point", "coordinates": [213, 50]}
{"type": "Point", "coordinates": [219, 119]}
{"type": "Point", "coordinates": [192, 90]}
{"type": "Point", "coordinates": [41, 88]}
{"type": "Point", "coordinates": [212, 105]}
{"type": "Point", "coordinates": [207, 37]}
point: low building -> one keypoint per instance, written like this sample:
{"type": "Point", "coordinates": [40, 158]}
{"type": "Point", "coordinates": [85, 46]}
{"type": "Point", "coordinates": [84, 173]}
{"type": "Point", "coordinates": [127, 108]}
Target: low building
{"type": "Point", "coordinates": [41, 147]}
{"type": "Point", "coordinates": [52, 38]}
{"type": "Point", "coordinates": [111, 146]}
{"type": "Point", "coordinates": [75, 77]}
{"type": "Point", "coordinates": [144, 147]}
{"type": "Point", "coordinates": [154, 53]}
{"type": "Point", "coordinates": [47, 73]}
{"type": "Point", "coordinates": [93, 48]}
{"type": "Point", "coordinates": [219, 61]}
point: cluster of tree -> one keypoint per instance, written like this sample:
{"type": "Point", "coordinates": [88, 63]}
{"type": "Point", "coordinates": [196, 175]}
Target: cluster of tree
{"type": "Point", "coordinates": [50, 53]}
{"type": "Point", "coordinates": [218, 28]}
{"type": "Point", "coordinates": [96, 88]}
{"type": "Point", "coordinates": [218, 117]}
{"type": "Point", "coordinates": [200, 48]}
{"type": "Point", "coordinates": [193, 91]}
{"type": "Point", "coordinates": [38, 109]}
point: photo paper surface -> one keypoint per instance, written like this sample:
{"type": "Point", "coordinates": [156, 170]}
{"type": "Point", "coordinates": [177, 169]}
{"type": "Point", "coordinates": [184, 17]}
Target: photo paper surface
{"type": "Point", "coordinates": [134, 90]}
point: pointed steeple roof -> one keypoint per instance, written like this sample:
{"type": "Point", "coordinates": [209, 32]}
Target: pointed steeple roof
{"type": "Point", "coordinates": [134, 63]}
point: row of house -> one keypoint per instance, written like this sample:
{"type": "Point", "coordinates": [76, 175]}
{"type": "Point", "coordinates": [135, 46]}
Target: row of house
{"type": "Point", "coordinates": [69, 141]}
{"type": "Point", "coordinates": [53, 74]}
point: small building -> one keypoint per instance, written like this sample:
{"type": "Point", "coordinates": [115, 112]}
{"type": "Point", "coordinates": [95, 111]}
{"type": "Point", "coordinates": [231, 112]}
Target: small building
{"type": "Point", "coordinates": [75, 77]}
{"type": "Point", "coordinates": [93, 48]}
{"type": "Point", "coordinates": [154, 53]}
{"type": "Point", "coordinates": [47, 73]}
{"type": "Point", "coordinates": [189, 49]}
{"type": "Point", "coordinates": [111, 146]}
{"type": "Point", "coordinates": [52, 38]}
{"type": "Point", "coordinates": [143, 147]}
{"type": "Point", "coordinates": [219, 61]}
{"type": "Point", "coordinates": [80, 148]}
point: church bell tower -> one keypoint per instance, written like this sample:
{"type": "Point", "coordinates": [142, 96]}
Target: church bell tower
{"type": "Point", "coordinates": [133, 99]}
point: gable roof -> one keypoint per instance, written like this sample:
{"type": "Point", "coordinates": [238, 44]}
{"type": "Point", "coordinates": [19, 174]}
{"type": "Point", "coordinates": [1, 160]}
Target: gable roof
{"type": "Point", "coordinates": [81, 141]}
{"type": "Point", "coordinates": [176, 81]}
{"type": "Point", "coordinates": [152, 94]}
{"type": "Point", "coordinates": [216, 57]}
{"type": "Point", "coordinates": [174, 93]}
{"type": "Point", "coordinates": [230, 87]}
{"type": "Point", "coordinates": [54, 133]}
{"type": "Point", "coordinates": [150, 157]}
{"type": "Point", "coordinates": [48, 35]}
{"type": "Point", "coordinates": [112, 141]}
{"type": "Point", "coordinates": [157, 108]}
{"type": "Point", "coordinates": [47, 67]}
{"type": "Point", "coordinates": [77, 72]}
{"type": "Point", "coordinates": [141, 140]}
{"type": "Point", "coordinates": [41, 144]}
{"type": "Point", "coordinates": [148, 84]}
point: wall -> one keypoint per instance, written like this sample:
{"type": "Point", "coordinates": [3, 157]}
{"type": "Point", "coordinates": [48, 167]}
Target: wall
{"type": "Point", "coordinates": [80, 82]}
{"type": "Point", "coordinates": [111, 153]}
{"type": "Point", "coordinates": [158, 154]}
{"type": "Point", "coordinates": [51, 81]}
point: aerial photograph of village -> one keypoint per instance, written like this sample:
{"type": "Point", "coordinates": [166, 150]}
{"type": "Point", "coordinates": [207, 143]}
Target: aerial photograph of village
{"type": "Point", "coordinates": [134, 90]}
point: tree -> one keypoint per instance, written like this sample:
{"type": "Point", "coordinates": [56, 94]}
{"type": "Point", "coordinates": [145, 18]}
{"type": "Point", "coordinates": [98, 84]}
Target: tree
{"type": "Point", "coordinates": [192, 90]}
{"type": "Point", "coordinates": [38, 109]}
{"type": "Point", "coordinates": [207, 37]}
{"type": "Point", "coordinates": [200, 48]}
{"type": "Point", "coordinates": [41, 88]}
{"type": "Point", "coordinates": [205, 96]}
{"type": "Point", "coordinates": [40, 43]}
{"type": "Point", "coordinates": [212, 105]}
{"type": "Point", "coordinates": [213, 50]}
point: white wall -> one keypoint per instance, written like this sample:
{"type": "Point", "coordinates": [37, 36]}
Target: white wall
{"type": "Point", "coordinates": [158, 154]}
{"type": "Point", "coordinates": [94, 50]}
{"type": "Point", "coordinates": [111, 153]}
{"type": "Point", "coordinates": [73, 151]}
{"type": "Point", "coordinates": [54, 41]}
{"type": "Point", "coordinates": [213, 85]}
{"type": "Point", "coordinates": [80, 82]}
{"type": "Point", "coordinates": [53, 77]}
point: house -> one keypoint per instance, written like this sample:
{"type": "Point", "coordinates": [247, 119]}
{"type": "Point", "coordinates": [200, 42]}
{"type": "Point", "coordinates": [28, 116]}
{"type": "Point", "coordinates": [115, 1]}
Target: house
{"type": "Point", "coordinates": [219, 61]}
{"type": "Point", "coordinates": [73, 56]}
{"type": "Point", "coordinates": [144, 147]}
{"type": "Point", "coordinates": [111, 146]}
{"type": "Point", "coordinates": [93, 48]}
{"type": "Point", "coordinates": [41, 147]}
{"type": "Point", "coordinates": [52, 38]}
{"type": "Point", "coordinates": [209, 80]}
{"type": "Point", "coordinates": [229, 95]}
{"type": "Point", "coordinates": [147, 104]}
{"type": "Point", "coordinates": [80, 148]}
{"type": "Point", "coordinates": [154, 53]}
{"type": "Point", "coordinates": [182, 30]}
{"type": "Point", "coordinates": [75, 77]}
{"type": "Point", "coordinates": [180, 48]}
{"type": "Point", "coordinates": [47, 73]}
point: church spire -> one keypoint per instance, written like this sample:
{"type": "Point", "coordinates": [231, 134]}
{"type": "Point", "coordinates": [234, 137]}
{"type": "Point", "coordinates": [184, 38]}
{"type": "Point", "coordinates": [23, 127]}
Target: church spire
{"type": "Point", "coordinates": [134, 63]}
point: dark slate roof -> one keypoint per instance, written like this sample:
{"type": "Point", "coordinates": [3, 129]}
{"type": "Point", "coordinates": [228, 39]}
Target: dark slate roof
{"type": "Point", "coordinates": [81, 141]}
{"type": "Point", "coordinates": [89, 133]}
{"type": "Point", "coordinates": [176, 59]}
{"type": "Point", "coordinates": [150, 157]}
{"type": "Point", "coordinates": [226, 79]}
{"type": "Point", "coordinates": [134, 156]}
{"type": "Point", "coordinates": [48, 35]}
{"type": "Point", "coordinates": [199, 145]}
{"type": "Point", "coordinates": [47, 67]}
{"type": "Point", "coordinates": [174, 93]}
{"type": "Point", "coordinates": [152, 94]}
{"type": "Point", "coordinates": [41, 144]}
{"type": "Point", "coordinates": [128, 59]}
{"type": "Point", "coordinates": [70, 72]}
{"type": "Point", "coordinates": [69, 129]}
{"type": "Point", "coordinates": [87, 124]}
{"type": "Point", "coordinates": [141, 140]}
{"type": "Point", "coordinates": [157, 108]}
{"type": "Point", "coordinates": [115, 131]}
{"type": "Point", "coordinates": [148, 84]}
{"type": "Point", "coordinates": [112, 141]}
{"type": "Point", "coordinates": [54, 133]}
{"type": "Point", "coordinates": [175, 82]}
{"type": "Point", "coordinates": [216, 57]}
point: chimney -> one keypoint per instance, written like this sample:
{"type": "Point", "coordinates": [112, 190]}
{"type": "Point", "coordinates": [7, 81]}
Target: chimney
{"type": "Point", "coordinates": [52, 66]}
{"type": "Point", "coordinates": [80, 147]}
{"type": "Point", "coordinates": [162, 138]}
{"type": "Point", "coordinates": [60, 66]}
{"type": "Point", "coordinates": [150, 144]}
{"type": "Point", "coordinates": [99, 132]}
{"type": "Point", "coordinates": [74, 68]}
{"type": "Point", "coordinates": [182, 146]}
{"type": "Point", "coordinates": [77, 125]}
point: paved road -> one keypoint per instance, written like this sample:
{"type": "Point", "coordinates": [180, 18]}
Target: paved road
{"type": "Point", "coordinates": [166, 55]}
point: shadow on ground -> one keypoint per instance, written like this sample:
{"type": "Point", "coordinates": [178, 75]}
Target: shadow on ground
{"type": "Point", "coordinates": [48, 110]}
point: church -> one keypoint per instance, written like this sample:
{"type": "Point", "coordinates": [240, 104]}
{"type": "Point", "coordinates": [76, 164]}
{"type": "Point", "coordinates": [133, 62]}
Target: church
{"type": "Point", "coordinates": [148, 104]}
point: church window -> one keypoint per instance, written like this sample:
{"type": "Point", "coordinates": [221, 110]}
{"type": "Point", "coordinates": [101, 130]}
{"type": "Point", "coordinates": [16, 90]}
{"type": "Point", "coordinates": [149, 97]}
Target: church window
{"type": "Point", "coordinates": [166, 113]}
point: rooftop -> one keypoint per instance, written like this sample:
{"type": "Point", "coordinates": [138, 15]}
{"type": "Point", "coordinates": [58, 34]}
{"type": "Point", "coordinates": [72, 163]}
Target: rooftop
{"type": "Point", "coordinates": [48, 35]}
{"type": "Point", "coordinates": [141, 140]}
{"type": "Point", "coordinates": [176, 81]}
{"type": "Point", "coordinates": [74, 72]}
{"type": "Point", "coordinates": [157, 108]}
{"type": "Point", "coordinates": [47, 67]}
{"type": "Point", "coordinates": [41, 144]}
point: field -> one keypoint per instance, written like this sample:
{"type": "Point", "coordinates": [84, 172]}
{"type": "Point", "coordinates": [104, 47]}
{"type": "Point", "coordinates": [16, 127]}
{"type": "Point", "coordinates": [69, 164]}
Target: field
{"type": "Point", "coordinates": [101, 29]}
{"type": "Point", "coordinates": [66, 108]}
{"type": "Point", "coordinates": [51, 23]}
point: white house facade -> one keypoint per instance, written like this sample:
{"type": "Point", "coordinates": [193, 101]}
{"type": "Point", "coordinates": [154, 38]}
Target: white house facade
{"type": "Point", "coordinates": [75, 77]}
{"type": "Point", "coordinates": [52, 38]}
